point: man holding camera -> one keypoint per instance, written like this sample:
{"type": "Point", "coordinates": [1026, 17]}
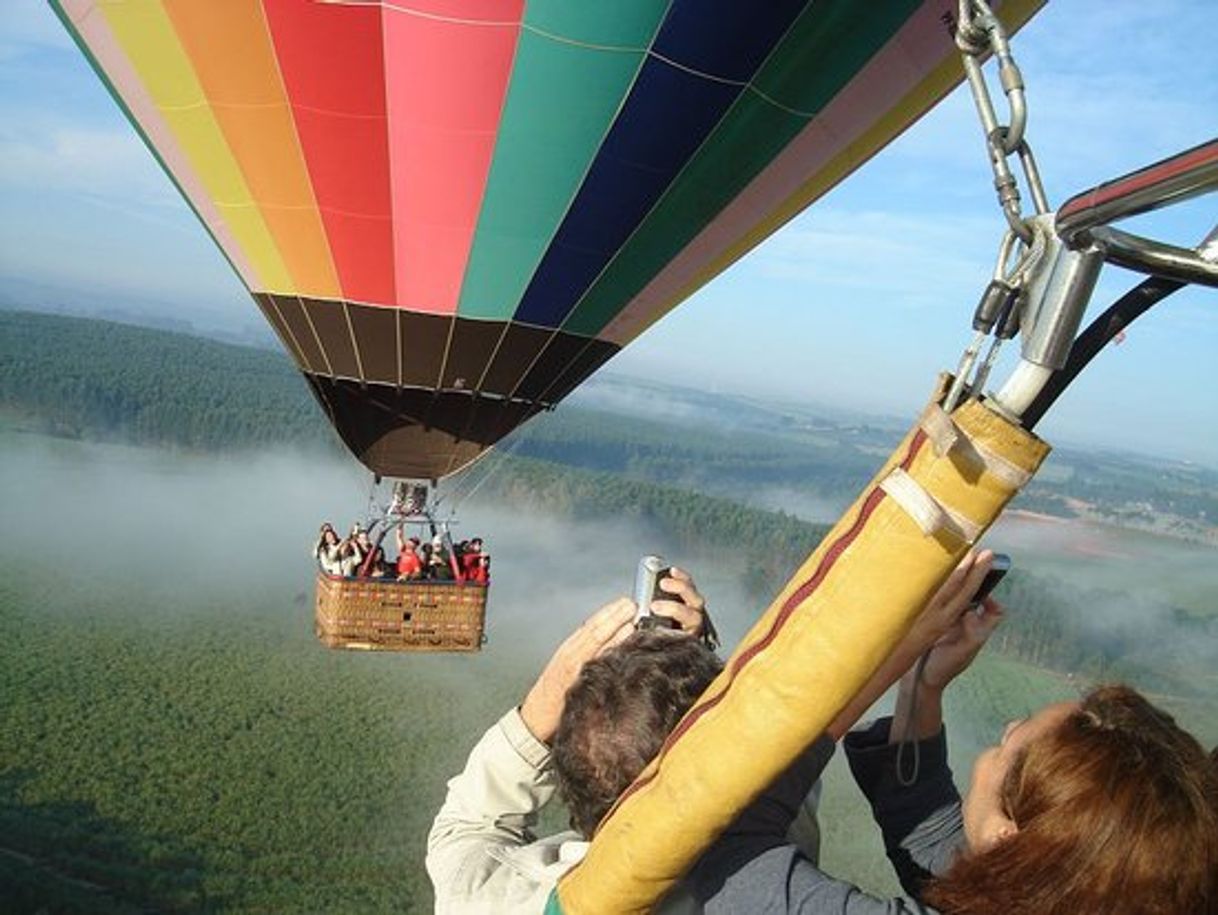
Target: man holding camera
{"type": "Point", "coordinates": [482, 854]}
{"type": "Point", "coordinates": [598, 713]}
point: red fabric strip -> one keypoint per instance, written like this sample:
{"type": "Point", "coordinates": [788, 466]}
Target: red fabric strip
{"type": "Point", "coordinates": [802, 593]}
{"type": "Point", "coordinates": [331, 59]}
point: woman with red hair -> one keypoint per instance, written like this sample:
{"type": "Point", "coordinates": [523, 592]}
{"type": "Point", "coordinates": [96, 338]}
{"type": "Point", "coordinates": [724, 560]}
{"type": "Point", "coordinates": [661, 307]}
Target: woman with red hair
{"type": "Point", "coordinates": [1102, 806]}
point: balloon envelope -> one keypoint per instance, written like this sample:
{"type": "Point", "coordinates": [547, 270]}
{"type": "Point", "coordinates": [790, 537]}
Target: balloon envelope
{"type": "Point", "coordinates": [452, 212]}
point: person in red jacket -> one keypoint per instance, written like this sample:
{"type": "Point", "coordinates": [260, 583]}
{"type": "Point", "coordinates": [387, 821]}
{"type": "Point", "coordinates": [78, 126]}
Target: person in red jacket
{"type": "Point", "coordinates": [480, 573]}
{"type": "Point", "coordinates": [471, 559]}
{"type": "Point", "coordinates": [410, 566]}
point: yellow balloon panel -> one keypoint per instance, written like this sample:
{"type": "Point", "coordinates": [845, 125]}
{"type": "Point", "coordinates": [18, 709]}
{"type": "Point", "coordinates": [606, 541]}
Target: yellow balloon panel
{"type": "Point", "coordinates": [230, 49]}
{"type": "Point", "coordinates": [147, 36]}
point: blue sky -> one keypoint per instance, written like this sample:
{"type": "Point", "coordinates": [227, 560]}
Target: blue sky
{"type": "Point", "coordinates": [856, 303]}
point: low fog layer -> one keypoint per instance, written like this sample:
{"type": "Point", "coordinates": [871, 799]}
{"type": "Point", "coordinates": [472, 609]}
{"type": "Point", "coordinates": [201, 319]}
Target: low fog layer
{"type": "Point", "coordinates": [226, 526]}
{"type": "Point", "coordinates": [228, 535]}
{"type": "Point", "coordinates": [234, 528]}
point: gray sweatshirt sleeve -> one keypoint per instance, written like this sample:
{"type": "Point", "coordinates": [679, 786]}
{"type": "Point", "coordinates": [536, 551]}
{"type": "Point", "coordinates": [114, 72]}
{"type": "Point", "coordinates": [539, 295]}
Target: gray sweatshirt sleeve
{"type": "Point", "coordinates": [921, 822]}
{"type": "Point", "coordinates": [752, 868]}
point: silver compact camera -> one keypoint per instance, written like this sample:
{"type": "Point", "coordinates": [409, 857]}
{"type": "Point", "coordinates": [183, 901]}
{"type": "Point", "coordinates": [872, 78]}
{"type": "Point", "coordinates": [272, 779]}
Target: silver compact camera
{"type": "Point", "coordinates": [647, 576]}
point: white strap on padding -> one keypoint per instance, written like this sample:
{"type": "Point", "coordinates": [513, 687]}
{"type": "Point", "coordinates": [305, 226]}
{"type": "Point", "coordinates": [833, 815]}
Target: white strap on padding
{"type": "Point", "coordinates": [926, 511]}
{"type": "Point", "coordinates": [944, 435]}
{"type": "Point", "coordinates": [964, 527]}
{"type": "Point", "coordinates": [939, 428]}
{"type": "Point", "coordinates": [993, 464]}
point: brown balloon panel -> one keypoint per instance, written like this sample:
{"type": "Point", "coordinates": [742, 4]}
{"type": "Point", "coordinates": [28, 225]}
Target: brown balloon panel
{"type": "Point", "coordinates": [420, 395]}
{"type": "Point", "coordinates": [414, 433]}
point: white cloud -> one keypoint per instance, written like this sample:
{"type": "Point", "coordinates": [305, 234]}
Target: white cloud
{"type": "Point", "coordinates": [56, 156]}
{"type": "Point", "coordinates": [883, 252]}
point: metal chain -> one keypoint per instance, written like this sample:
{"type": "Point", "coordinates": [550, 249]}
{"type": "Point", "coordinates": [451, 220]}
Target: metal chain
{"type": "Point", "coordinates": [978, 33]}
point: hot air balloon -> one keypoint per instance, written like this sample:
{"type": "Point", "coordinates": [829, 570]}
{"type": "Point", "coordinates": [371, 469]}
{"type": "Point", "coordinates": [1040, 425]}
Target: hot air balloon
{"type": "Point", "coordinates": [452, 212]}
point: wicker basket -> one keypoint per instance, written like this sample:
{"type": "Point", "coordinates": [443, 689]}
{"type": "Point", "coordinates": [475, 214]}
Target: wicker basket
{"type": "Point", "coordinates": [400, 616]}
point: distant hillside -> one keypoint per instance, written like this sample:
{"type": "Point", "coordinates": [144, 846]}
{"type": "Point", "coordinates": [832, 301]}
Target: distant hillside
{"type": "Point", "coordinates": [86, 378]}
{"type": "Point", "coordinates": [83, 378]}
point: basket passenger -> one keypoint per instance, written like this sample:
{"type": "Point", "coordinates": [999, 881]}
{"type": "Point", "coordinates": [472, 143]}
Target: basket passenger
{"type": "Point", "coordinates": [326, 550]}
{"type": "Point", "coordinates": [481, 573]}
{"type": "Point", "coordinates": [439, 565]}
{"type": "Point", "coordinates": [470, 557]}
{"type": "Point", "coordinates": [374, 565]}
{"type": "Point", "coordinates": [353, 551]}
{"type": "Point", "coordinates": [409, 564]}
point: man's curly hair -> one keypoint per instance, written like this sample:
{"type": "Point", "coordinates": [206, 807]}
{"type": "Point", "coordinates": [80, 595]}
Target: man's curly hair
{"type": "Point", "coordinates": [619, 712]}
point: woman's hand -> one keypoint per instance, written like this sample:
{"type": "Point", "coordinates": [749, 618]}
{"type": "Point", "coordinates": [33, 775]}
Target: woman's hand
{"type": "Point", "coordinates": [946, 657]}
{"type": "Point", "coordinates": [956, 648]}
{"type": "Point", "coordinates": [941, 613]}
{"type": "Point", "coordinates": [946, 609]}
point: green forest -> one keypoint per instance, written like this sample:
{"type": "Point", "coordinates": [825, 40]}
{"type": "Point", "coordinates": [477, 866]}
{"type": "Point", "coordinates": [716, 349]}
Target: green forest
{"type": "Point", "coordinates": [83, 378]}
{"type": "Point", "coordinates": [86, 378]}
{"type": "Point", "coordinates": [99, 380]}
{"type": "Point", "coordinates": [210, 761]}
{"type": "Point", "coordinates": [184, 746]}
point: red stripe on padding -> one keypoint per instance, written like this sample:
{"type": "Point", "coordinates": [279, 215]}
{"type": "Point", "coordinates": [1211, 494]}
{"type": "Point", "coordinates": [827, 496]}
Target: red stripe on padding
{"type": "Point", "coordinates": [798, 596]}
{"type": "Point", "coordinates": [332, 62]}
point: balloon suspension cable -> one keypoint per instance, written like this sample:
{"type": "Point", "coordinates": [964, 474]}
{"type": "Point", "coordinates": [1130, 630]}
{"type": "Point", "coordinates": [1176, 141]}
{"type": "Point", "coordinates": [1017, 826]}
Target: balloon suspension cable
{"type": "Point", "coordinates": [454, 494]}
{"type": "Point", "coordinates": [373, 512]}
{"type": "Point", "coordinates": [491, 469]}
{"type": "Point", "coordinates": [999, 310]}
{"type": "Point", "coordinates": [980, 33]}
{"type": "Point", "coordinates": [407, 505]}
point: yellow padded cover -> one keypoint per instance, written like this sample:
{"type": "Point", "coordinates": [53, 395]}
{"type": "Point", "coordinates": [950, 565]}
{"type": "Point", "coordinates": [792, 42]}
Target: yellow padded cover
{"type": "Point", "coordinates": [826, 633]}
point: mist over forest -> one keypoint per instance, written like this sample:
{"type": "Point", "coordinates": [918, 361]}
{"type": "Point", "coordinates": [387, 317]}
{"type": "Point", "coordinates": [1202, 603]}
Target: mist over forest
{"type": "Point", "coordinates": [179, 740]}
{"type": "Point", "coordinates": [171, 707]}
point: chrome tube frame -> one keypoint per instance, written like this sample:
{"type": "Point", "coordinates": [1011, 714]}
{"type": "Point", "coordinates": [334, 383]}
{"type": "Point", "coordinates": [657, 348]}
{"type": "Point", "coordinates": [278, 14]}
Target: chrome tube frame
{"type": "Point", "coordinates": [1158, 258]}
{"type": "Point", "coordinates": [1083, 220]}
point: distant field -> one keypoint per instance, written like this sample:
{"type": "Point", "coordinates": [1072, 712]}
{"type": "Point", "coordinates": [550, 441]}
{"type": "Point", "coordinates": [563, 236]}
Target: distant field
{"type": "Point", "coordinates": [1176, 572]}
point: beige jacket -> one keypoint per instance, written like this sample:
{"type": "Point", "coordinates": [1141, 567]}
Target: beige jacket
{"type": "Point", "coordinates": [482, 855]}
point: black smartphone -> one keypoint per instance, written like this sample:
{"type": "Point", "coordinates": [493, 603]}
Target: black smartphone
{"type": "Point", "coordinates": [998, 568]}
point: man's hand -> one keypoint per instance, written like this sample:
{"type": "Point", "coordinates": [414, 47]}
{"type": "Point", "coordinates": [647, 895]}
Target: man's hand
{"type": "Point", "coordinates": [542, 707]}
{"type": "Point", "coordinates": [688, 607]}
